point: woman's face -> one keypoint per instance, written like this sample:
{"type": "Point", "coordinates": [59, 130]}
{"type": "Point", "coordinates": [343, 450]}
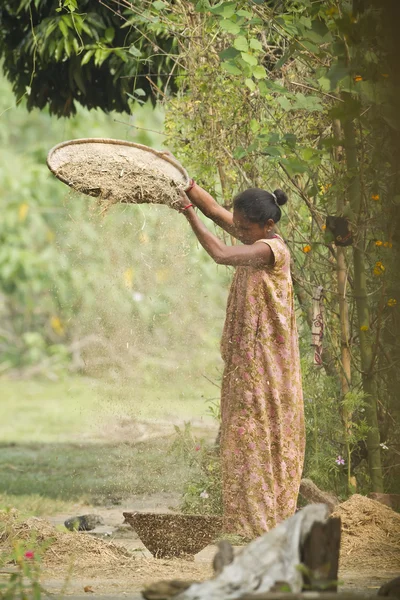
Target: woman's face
{"type": "Point", "coordinates": [249, 232]}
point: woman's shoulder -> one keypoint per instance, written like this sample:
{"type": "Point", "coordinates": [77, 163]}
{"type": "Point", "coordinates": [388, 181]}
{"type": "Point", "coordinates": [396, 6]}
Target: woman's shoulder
{"type": "Point", "coordinates": [279, 248]}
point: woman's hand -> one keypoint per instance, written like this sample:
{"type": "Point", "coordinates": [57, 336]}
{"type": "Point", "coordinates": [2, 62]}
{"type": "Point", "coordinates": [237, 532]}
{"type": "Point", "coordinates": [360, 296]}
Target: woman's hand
{"type": "Point", "coordinates": [183, 202]}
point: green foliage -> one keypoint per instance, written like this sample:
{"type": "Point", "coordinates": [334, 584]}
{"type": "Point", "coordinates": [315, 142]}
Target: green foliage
{"type": "Point", "coordinates": [59, 54]}
{"type": "Point", "coordinates": [202, 493]}
{"type": "Point", "coordinates": [105, 292]}
{"type": "Point", "coordinates": [23, 584]}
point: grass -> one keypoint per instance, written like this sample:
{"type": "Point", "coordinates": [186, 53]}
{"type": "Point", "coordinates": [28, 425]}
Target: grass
{"type": "Point", "coordinates": [74, 441]}
{"type": "Point", "coordinates": [91, 473]}
{"type": "Point", "coordinates": [78, 409]}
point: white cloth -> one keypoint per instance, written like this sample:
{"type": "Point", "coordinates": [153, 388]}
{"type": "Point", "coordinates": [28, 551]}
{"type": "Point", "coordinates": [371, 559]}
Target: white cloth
{"type": "Point", "coordinates": [270, 558]}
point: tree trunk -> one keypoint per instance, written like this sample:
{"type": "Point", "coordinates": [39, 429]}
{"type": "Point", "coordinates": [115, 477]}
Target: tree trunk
{"type": "Point", "coordinates": [363, 316]}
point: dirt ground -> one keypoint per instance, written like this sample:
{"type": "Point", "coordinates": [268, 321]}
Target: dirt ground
{"type": "Point", "coordinates": [130, 576]}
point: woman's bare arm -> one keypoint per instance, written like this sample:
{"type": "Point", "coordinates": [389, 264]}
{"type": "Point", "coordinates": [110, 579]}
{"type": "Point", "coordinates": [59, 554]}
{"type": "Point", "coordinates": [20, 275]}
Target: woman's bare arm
{"type": "Point", "coordinates": [254, 255]}
{"type": "Point", "coordinates": [211, 209]}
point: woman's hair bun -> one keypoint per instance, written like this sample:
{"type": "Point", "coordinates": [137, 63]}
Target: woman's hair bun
{"type": "Point", "coordinates": [281, 197]}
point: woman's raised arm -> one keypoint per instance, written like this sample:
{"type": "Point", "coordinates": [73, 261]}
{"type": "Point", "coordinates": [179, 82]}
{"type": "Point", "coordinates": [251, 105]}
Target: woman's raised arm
{"type": "Point", "coordinates": [211, 209]}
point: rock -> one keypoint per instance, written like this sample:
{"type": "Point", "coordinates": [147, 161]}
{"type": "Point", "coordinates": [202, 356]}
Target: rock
{"type": "Point", "coordinates": [223, 557]}
{"type": "Point", "coordinates": [314, 495]}
{"type": "Point", "coordinates": [390, 500]}
{"type": "Point", "coordinates": [83, 522]}
{"type": "Point", "coordinates": [392, 588]}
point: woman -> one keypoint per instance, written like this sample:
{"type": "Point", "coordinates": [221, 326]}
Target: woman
{"type": "Point", "coordinates": [262, 428]}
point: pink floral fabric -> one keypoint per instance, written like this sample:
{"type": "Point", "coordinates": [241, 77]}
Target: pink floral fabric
{"type": "Point", "coordinates": [262, 429]}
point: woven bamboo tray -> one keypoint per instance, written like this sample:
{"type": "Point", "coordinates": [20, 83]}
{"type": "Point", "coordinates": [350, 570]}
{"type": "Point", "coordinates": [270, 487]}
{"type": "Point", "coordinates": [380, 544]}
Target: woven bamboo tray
{"type": "Point", "coordinates": [168, 535]}
{"type": "Point", "coordinates": [118, 171]}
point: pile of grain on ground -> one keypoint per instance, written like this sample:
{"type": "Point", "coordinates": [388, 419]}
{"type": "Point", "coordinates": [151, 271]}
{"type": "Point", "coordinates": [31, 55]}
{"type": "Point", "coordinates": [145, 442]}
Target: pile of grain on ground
{"type": "Point", "coordinates": [119, 181]}
{"type": "Point", "coordinates": [131, 576]}
{"type": "Point", "coordinates": [60, 547]}
{"type": "Point", "coordinates": [370, 535]}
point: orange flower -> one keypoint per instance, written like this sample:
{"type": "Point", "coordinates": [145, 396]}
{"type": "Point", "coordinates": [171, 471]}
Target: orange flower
{"type": "Point", "coordinates": [378, 243]}
{"type": "Point", "coordinates": [385, 74]}
{"type": "Point", "coordinates": [392, 302]}
{"type": "Point", "coordinates": [358, 78]}
{"type": "Point", "coordinates": [307, 249]}
{"type": "Point", "coordinates": [323, 227]}
{"type": "Point", "coordinates": [375, 197]}
{"type": "Point", "coordinates": [364, 328]}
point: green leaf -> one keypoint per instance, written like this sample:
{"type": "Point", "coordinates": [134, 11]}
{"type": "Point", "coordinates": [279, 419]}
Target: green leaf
{"type": "Point", "coordinates": [139, 92]}
{"type": "Point", "coordinates": [254, 125]}
{"type": "Point", "coordinates": [239, 152]}
{"type": "Point", "coordinates": [77, 75]}
{"type": "Point", "coordinates": [244, 13]}
{"type": "Point", "coordinates": [250, 84]}
{"type": "Point", "coordinates": [203, 6]}
{"type": "Point", "coordinates": [286, 22]}
{"type": "Point", "coordinates": [294, 165]}
{"type": "Point", "coordinates": [310, 103]}
{"type": "Point", "coordinates": [230, 26]}
{"type": "Point", "coordinates": [101, 55]}
{"type": "Point", "coordinates": [275, 87]}
{"type": "Point", "coordinates": [59, 49]}
{"type": "Point", "coordinates": [249, 59]}
{"type": "Point", "coordinates": [231, 68]}
{"type": "Point", "coordinates": [319, 33]}
{"type": "Point", "coordinates": [159, 5]}
{"type": "Point", "coordinates": [274, 151]}
{"type": "Point", "coordinates": [346, 110]}
{"type": "Point", "coordinates": [224, 9]}
{"type": "Point", "coordinates": [255, 44]}
{"type": "Point", "coordinates": [336, 73]}
{"type": "Point", "coordinates": [285, 103]}
{"type": "Point", "coordinates": [288, 54]}
{"type": "Point", "coordinates": [135, 51]}
{"type": "Point", "coordinates": [290, 139]}
{"type": "Point", "coordinates": [240, 43]}
{"type": "Point", "coordinates": [75, 45]}
{"type": "Point", "coordinates": [86, 57]}
{"type": "Point", "coordinates": [109, 34]}
{"type": "Point", "coordinates": [310, 46]}
{"type": "Point", "coordinates": [229, 53]}
{"type": "Point", "coordinates": [259, 72]}
{"type": "Point", "coordinates": [63, 28]}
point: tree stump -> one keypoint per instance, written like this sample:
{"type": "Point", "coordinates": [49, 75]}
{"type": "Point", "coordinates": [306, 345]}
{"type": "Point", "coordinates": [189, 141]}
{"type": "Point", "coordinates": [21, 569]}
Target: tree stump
{"type": "Point", "coordinates": [320, 556]}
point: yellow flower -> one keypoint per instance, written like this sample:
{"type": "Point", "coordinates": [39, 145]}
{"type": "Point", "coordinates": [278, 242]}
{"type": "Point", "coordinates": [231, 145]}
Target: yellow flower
{"type": "Point", "coordinates": [50, 235]}
{"type": "Point", "coordinates": [56, 325]}
{"type": "Point", "coordinates": [390, 245]}
{"type": "Point", "coordinates": [364, 328]}
{"type": "Point", "coordinates": [323, 227]}
{"type": "Point", "coordinates": [332, 10]}
{"type": "Point", "coordinates": [379, 269]}
{"type": "Point", "coordinates": [358, 78]}
{"type": "Point", "coordinates": [307, 249]}
{"type": "Point", "coordinates": [128, 277]}
{"type": "Point", "coordinates": [23, 211]}
{"type": "Point", "coordinates": [392, 302]}
{"type": "Point", "coordinates": [378, 243]}
{"type": "Point", "coordinates": [375, 197]}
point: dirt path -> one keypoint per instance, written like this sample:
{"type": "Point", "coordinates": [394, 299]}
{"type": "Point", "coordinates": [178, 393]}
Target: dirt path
{"type": "Point", "coordinates": [129, 578]}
